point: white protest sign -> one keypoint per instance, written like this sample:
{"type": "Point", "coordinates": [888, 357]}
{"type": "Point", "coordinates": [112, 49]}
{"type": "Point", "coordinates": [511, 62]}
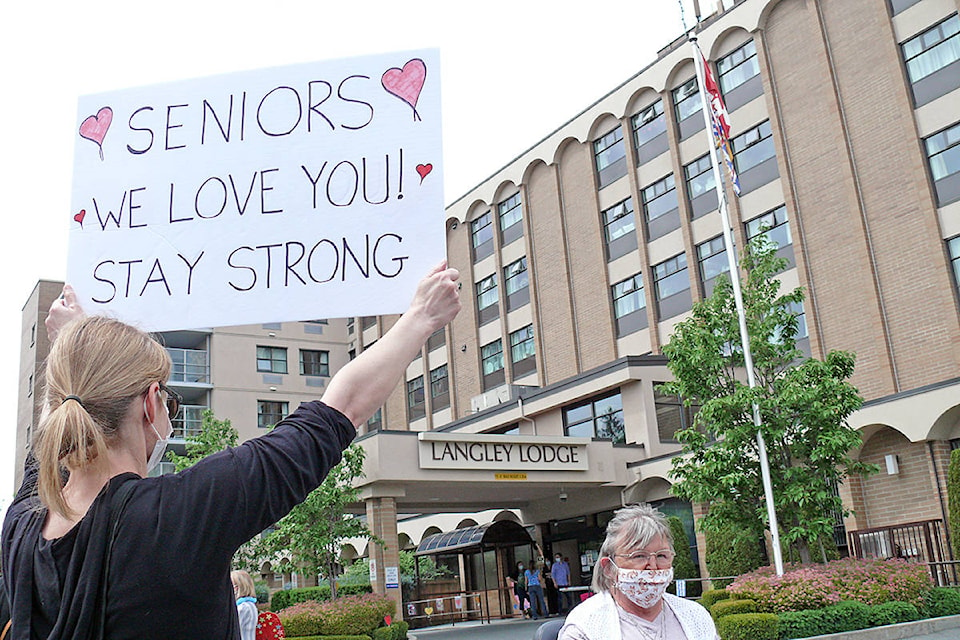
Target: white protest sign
{"type": "Point", "coordinates": [302, 192]}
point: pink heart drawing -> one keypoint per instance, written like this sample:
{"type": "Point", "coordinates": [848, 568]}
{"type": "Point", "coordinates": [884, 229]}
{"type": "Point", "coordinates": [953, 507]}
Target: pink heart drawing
{"type": "Point", "coordinates": [95, 128]}
{"type": "Point", "coordinates": [406, 83]}
{"type": "Point", "coordinates": [80, 216]}
{"type": "Point", "coordinates": [424, 170]}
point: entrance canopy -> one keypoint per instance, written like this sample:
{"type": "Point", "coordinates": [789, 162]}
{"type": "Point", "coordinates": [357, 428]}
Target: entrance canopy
{"type": "Point", "coordinates": [505, 533]}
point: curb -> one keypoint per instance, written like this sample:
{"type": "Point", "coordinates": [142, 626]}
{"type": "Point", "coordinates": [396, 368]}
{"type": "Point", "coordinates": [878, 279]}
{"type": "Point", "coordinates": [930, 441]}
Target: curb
{"type": "Point", "coordinates": [900, 631]}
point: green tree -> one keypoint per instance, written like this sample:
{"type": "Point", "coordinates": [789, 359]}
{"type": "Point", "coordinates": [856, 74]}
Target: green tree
{"type": "Point", "coordinates": [953, 500]}
{"type": "Point", "coordinates": [804, 405]}
{"type": "Point", "coordinates": [731, 551]}
{"type": "Point", "coordinates": [683, 567]}
{"type": "Point", "coordinates": [215, 435]}
{"type": "Point", "coordinates": [313, 530]}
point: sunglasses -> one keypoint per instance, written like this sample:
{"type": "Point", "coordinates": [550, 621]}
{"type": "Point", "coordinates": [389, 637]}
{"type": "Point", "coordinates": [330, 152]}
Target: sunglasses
{"type": "Point", "coordinates": [174, 400]}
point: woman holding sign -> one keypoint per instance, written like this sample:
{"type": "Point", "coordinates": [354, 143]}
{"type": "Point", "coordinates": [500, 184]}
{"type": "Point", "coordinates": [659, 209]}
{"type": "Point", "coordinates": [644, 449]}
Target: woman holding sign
{"type": "Point", "coordinates": [113, 553]}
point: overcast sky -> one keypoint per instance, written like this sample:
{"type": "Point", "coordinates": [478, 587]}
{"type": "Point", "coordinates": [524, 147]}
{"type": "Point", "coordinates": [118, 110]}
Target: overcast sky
{"type": "Point", "coordinates": [511, 73]}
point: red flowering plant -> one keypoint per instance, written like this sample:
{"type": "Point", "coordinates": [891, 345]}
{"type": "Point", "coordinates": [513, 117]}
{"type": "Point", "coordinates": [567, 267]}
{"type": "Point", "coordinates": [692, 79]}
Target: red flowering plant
{"type": "Point", "coordinates": [801, 587]}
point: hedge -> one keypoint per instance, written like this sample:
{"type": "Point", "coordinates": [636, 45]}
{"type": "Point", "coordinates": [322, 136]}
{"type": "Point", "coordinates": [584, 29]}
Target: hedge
{"type": "Point", "coordinates": [731, 607]}
{"type": "Point", "coordinates": [749, 626]}
{"type": "Point", "coordinates": [712, 597]}
{"type": "Point", "coordinates": [847, 616]}
{"type": "Point", "coordinates": [892, 613]}
{"type": "Point", "coordinates": [284, 599]}
{"type": "Point", "coordinates": [350, 615]}
{"type": "Point", "coordinates": [941, 601]}
{"type": "Point", "coordinates": [396, 631]}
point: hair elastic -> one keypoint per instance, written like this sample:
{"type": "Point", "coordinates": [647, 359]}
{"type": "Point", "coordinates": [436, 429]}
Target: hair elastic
{"type": "Point", "coordinates": [73, 397]}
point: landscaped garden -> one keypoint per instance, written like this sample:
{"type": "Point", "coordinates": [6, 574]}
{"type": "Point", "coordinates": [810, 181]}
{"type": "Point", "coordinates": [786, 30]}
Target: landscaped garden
{"type": "Point", "coordinates": [843, 595]}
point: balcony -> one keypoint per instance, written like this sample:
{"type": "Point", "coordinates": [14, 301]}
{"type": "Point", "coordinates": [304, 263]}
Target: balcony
{"type": "Point", "coordinates": [188, 422]}
{"type": "Point", "coordinates": [190, 365]}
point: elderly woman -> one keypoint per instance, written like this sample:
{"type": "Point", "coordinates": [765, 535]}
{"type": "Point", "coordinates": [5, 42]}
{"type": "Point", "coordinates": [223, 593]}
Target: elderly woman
{"type": "Point", "coordinates": [630, 579]}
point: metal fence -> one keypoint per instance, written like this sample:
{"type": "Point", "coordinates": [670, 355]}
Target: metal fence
{"type": "Point", "coordinates": [922, 542]}
{"type": "Point", "coordinates": [445, 609]}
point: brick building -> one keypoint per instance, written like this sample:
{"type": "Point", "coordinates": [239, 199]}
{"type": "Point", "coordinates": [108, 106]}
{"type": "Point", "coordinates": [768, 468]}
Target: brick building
{"type": "Point", "coordinates": [581, 255]}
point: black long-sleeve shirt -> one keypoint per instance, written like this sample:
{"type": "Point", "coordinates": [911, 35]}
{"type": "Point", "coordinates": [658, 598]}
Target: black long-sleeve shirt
{"type": "Point", "coordinates": [170, 564]}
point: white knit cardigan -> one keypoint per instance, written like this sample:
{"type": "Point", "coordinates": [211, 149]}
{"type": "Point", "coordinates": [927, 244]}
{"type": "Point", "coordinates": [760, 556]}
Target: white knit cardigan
{"type": "Point", "coordinates": [598, 618]}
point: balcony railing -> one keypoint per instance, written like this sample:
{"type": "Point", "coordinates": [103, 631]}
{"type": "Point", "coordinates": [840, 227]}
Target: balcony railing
{"type": "Point", "coordinates": [189, 365]}
{"type": "Point", "coordinates": [922, 542]}
{"type": "Point", "coordinates": [189, 422]}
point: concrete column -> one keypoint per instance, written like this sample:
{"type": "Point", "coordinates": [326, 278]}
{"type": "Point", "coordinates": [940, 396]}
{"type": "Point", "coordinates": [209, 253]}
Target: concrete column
{"type": "Point", "coordinates": [382, 520]}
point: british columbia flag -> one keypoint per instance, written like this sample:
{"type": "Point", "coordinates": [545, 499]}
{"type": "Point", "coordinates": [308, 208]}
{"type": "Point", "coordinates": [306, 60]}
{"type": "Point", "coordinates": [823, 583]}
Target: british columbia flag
{"type": "Point", "coordinates": [720, 120]}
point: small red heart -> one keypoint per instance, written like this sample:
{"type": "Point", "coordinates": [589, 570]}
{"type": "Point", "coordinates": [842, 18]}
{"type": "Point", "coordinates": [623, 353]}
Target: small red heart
{"type": "Point", "coordinates": [387, 619]}
{"type": "Point", "coordinates": [79, 216]}
{"type": "Point", "coordinates": [424, 170]}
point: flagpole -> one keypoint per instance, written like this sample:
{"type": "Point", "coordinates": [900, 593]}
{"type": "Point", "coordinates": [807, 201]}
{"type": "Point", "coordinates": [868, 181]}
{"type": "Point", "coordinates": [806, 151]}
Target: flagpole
{"type": "Point", "coordinates": [699, 59]}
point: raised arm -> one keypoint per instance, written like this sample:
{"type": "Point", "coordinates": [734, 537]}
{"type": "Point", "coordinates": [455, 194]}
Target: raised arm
{"type": "Point", "coordinates": [363, 385]}
{"type": "Point", "coordinates": [63, 311]}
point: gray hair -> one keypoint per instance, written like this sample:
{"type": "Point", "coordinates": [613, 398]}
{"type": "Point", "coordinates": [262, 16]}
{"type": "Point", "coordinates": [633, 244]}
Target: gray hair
{"type": "Point", "coordinates": [632, 527]}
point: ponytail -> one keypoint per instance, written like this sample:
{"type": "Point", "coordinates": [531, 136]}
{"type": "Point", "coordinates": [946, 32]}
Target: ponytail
{"type": "Point", "coordinates": [96, 368]}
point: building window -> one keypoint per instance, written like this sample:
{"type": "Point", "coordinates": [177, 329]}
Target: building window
{"type": "Point", "coordinates": [712, 258]}
{"type": "Point", "coordinates": [350, 326]}
{"type": "Point", "coordinates": [660, 209]}
{"type": "Point", "coordinates": [517, 282]}
{"type": "Point", "coordinates": [672, 416]}
{"type": "Point", "coordinates": [611, 157]}
{"type": "Point", "coordinates": [30, 386]}
{"type": "Point", "coordinates": [523, 351]}
{"type": "Point", "coordinates": [943, 157]}
{"type": "Point", "coordinates": [933, 60]}
{"type": "Point", "coordinates": [437, 339]}
{"type": "Point", "coordinates": [492, 364]}
{"type": "Point", "coordinates": [701, 186]}
{"type": "Point", "coordinates": [740, 76]}
{"type": "Point", "coordinates": [314, 363]}
{"type": "Point", "coordinates": [367, 321]}
{"type": "Point", "coordinates": [688, 109]}
{"type": "Point", "coordinates": [618, 229]}
{"type": "Point", "coordinates": [272, 359]}
{"type": "Point", "coordinates": [487, 299]}
{"type": "Point", "coordinates": [650, 132]}
{"type": "Point", "coordinates": [439, 388]}
{"type": "Point", "coordinates": [896, 6]}
{"type": "Point", "coordinates": [375, 423]}
{"type": "Point", "coordinates": [270, 412]}
{"type": "Point", "coordinates": [953, 249]}
{"type": "Point", "coordinates": [416, 403]}
{"type": "Point", "coordinates": [773, 224]}
{"type": "Point", "coordinates": [596, 418]}
{"type": "Point", "coordinates": [33, 334]}
{"type": "Point", "coordinates": [511, 213]}
{"type": "Point", "coordinates": [755, 157]}
{"type": "Point", "coordinates": [672, 286]}
{"type": "Point", "coordinates": [481, 236]}
{"type": "Point", "coordinates": [629, 305]}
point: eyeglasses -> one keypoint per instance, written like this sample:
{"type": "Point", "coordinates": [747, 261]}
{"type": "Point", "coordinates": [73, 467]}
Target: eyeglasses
{"type": "Point", "coordinates": [663, 559]}
{"type": "Point", "coordinates": [174, 400]}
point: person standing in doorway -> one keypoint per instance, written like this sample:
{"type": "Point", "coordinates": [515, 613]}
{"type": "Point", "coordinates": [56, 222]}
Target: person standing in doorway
{"type": "Point", "coordinates": [535, 591]}
{"type": "Point", "coordinates": [560, 572]}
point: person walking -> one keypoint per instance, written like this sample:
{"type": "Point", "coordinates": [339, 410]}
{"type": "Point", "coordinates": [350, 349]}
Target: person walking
{"type": "Point", "coordinates": [535, 591]}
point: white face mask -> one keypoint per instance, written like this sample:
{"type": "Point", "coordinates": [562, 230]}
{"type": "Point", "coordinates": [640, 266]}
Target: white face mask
{"type": "Point", "coordinates": [643, 588]}
{"type": "Point", "coordinates": [158, 449]}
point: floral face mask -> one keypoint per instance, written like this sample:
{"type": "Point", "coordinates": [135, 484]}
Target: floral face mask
{"type": "Point", "coordinates": [645, 587]}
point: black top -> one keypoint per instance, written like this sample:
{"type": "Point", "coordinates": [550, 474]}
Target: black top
{"type": "Point", "coordinates": [169, 573]}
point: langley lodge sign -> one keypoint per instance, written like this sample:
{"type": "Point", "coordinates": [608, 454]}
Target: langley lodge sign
{"type": "Point", "coordinates": [485, 451]}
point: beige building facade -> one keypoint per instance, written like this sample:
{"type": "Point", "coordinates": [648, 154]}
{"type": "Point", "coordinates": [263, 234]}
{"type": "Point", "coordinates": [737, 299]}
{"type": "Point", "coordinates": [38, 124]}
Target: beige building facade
{"type": "Point", "coordinates": [580, 256]}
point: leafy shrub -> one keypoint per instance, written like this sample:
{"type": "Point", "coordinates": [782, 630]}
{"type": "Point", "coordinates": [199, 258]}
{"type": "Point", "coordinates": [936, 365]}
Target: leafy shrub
{"type": "Point", "coordinates": [302, 619]}
{"type": "Point", "coordinates": [363, 637]}
{"type": "Point", "coordinates": [712, 596]}
{"type": "Point", "coordinates": [892, 613]}
{"type": "Point", "coordinates": [941, 601]}
{"type": "Point", "coordinates": [683, 567]}
{"type": "Point", "coordinates": [846, 616]}
{"type": "Point", "coordinates": [801, 624]}
{"type": "Point", "coordinates": [953, 500]}
{"type": "Point", "coordinates": [732, 607]}
{"type": "Point", "coordinates": [732, 551]}
{"type": "Point", "coordinates": [283, 599]}
{"type": "Point", "coordinates": [354, 615]}
{"type": "Point", "coordinates": [262, 592]}
{"type": "Point", "coordinates": [817, 586]}
{"type": "Point", "coordinates": [396, 631]}
{"type": "Point", "coordinates": [749, 626]}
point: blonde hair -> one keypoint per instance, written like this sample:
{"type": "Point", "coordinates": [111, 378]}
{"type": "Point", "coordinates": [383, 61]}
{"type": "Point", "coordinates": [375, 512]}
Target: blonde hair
{"type": "Point", "coordinates": [102, 365]}
{"type": "Point", "coordinates": [244, 584]}
{"type": "Point", "coordinates": [632, 527]}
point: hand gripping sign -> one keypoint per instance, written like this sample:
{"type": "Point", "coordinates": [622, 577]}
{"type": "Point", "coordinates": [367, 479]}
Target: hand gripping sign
{"type": "Point", "coordinates": [303, 192]}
